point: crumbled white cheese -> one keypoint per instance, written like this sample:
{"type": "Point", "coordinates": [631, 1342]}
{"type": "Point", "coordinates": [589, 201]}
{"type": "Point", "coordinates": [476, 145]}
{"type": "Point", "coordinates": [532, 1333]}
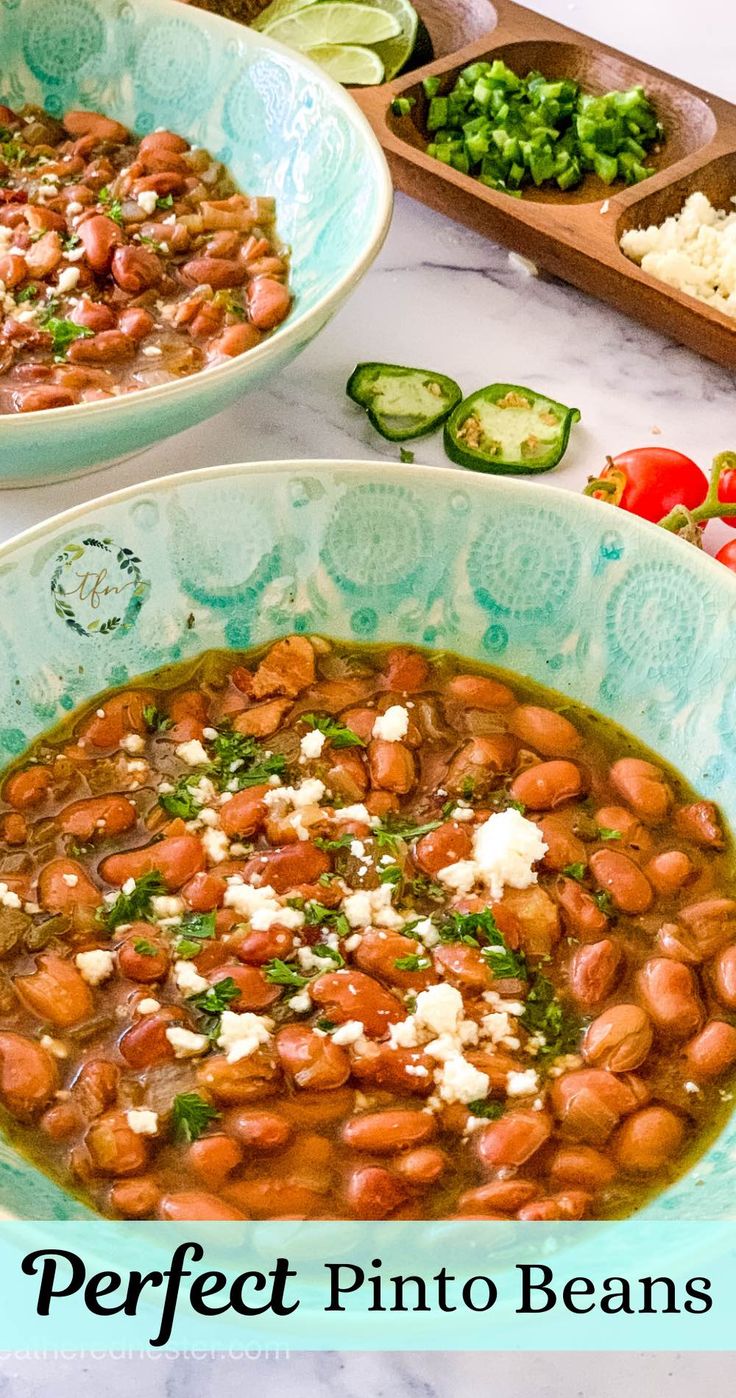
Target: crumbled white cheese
{"type": "Point", "coordinates": [426, 932]}
{"type": "Point", "coordinates": [393, 725]}
{"type": "Point", "coordinates": [95, 966]}
{"type": "Point", "coordinates": [133, 743]}
{"type": "Point", "coordinates": [147, 200]}
{"type": "Point", "coordinates": [439, 1009]}
{"type": "Point", "coordinates": [185, 1043]}
{"type": "Point", "coordinates": [8, 899]}
{"type": "Point", "coordinates": [522, 1084]}
{"type": "Point", "coordinates": [505, 849]}
{"type": "Point", "coordinates": [309, 961]}
{"type": "Point", "coordinates": [216, 845]}
{"type": "Point", "coordinates": [261, 906]}
{"type": "Point", "coordinates": [372, 907]}
{"type": "Point", "coordinates": [460, 1081]}
{"type": "Point", "coordinates": [166, 905]}
{"type": "Point", "coordinates": [301, 1003]}
{"type": "Point", "coordinates": [142, 1122]}
{"type": "Point", "coordinates": [312, 744]}
{"type": "Point", "coordinates": [128, 887]}
{"type": "Point", "coordinates": [55, 1047]}
{"type": "Point", "coordinates": [71, 880]}
{"type": "Point", "coordinates": [192, 753]}
{"type": "Point", "coordinates": [308, 793]}
{"type": "Point", "coordinates": [693, 251]}
{"type": "Point", "coordinates": [147, 1006]}
{"type": "Point", "coordinates": [241, 1035]}
{"type": "Point", "coordinates": [67, 279]}
{"type": "Point", "coordinates": [349, 1032]}
{"type": "Point", "coordinates": [188, 979]}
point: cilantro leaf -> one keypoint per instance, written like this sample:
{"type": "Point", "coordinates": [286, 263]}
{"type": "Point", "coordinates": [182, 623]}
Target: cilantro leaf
{"type": "Point", "coordinates": [165, 201]}
{"type": "Point", "coordinates": [488, 1108]}
{"type": "Point", "coordinates": [326, 1025]}
{"type": "Point", "coordinates": [145, 948]}
{"type": "Point", "coordinates": [604, 833]}
{"type": "Point", "coordinates": [390, 873]}
{"type": "Point", "coordinates": [216, 999]}
{"type": "Point", "coordinates": [481, 930]}
{"type": "Point", "coordinates": [155, 721]}
{"type": "Point", "coordinates": [181, 801]}
{"type": "Point", "coordinates": [338, 734]}
{"type": "Point", "coordinates": [199, 924]}
{"type": "Point", "coordinates": [278, 972]}
{"type": "Point", "coordinates": [238, 761]}
{"type": "Point", "coordinates": [394, 828]}
{"type": "Point", "coordinates": [340, 842]}
{"type": "Point", "coordinates": [112, 206]}
{"type": "Point", "coordinates": [186, 950]}
{"type": "Point", "coordinates": [414, 962]}
{"type": "Point", "coordinates": [134, 906]}
{"type": "Point", "coordinates": [317, 915]}
{"type": "Point", "coordinates": [328, 953]}
{"type": "Point", "coordinates": [544, 1015]}
{"type": "Point", "coordinates": [190, 1116]}
{"type": "Point", "coordinates": [422, 887]}
{"type": "Point", "coordinates": [576, 872]}
{"type": "Point", "coordinates": [63, 333]}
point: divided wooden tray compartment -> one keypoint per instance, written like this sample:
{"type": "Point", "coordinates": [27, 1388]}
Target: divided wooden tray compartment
{"type": "Point", "coordinates": [573, 235]}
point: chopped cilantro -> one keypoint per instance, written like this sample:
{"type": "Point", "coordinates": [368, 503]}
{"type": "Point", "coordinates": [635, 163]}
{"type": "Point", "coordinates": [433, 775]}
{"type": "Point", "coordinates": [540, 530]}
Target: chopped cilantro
{"type": "Point", "coordinates": [605, 902]}
{"type": "Point", "coordinates": [216, 999]}
{"type": "Point", "coordinates": [29, 293]}
{"type": "Point", "coordinates": [488, 1109]}
{"type": "Point", "coordinates": [181, 802]}
{"type": "Point", "coordinates": [71, 241]}
{"type": "Point", "coordinates": [278, 972]}
{"type": "Point", "coordinates": [336, 733]}
{"type": "Point", "coordinates": [238, 761]}
{"type": "Point", "coordinates": [414, 962]}
{"type": "Point", "coordinates": [317, 915]}
{"type": "Point", "coordinates": [604, 833]}
{"type": "Point", "coordinates": [200, 925]}
{"type": "Point", "coordinates": [390, 873]}
{"type": "Point", "coordinates": [133, 906]}
{"type": "Point", "coordinates": [339, 842]}
{"type": "Point", "coordinates": [481, 930]}
{"type": "Point", "coordinates": [422, 887]}
{"type": "Point", "coordinates": [190, 1116]}
{"type": "Point", "coordinates": [187, 950]}
{"type": "Point", "coordinates": [328, 953]}
{"type": "Point", "coordinates": [63, 333]}
{"type": "Point", "coordinates": [326, 1025]}
{"type": "Point", "coordinates": [406, 455]}
{"type": "Point", "coordinates": [165, 201]}
{"type": "Point", "coordinates": [229, 303]}
{"type": "Point", "coordinates": [575, 871]}
{"type": "Point", "coordinates": [394, 828]}
{"type": "Point", "coordinates": [544, 1015]}
{"type": "Point", "coordinates": [112, 206]}
{"type": "Point", "coordinates": [155, 721]}
{"type": "Point", "coordinates": [145, 948]}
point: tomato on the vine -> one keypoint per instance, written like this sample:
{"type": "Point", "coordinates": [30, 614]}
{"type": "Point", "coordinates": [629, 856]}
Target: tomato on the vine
{"type": "Point", "coordinates": [727, 493]}
{"type": "Point", "coordinates": [727, 555]}
{"type": "Point", "coordinates": [650, 481]}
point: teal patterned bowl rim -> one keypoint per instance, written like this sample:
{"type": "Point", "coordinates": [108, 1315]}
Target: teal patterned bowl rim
{"type": "Point", "coordinates": [578, 595]}
{"type": "Point", "coordinates": [299, 326]}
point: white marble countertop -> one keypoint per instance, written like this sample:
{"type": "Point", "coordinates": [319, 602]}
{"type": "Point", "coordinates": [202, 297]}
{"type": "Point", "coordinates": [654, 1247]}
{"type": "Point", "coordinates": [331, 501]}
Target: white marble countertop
{"type": "Point", "coordinates": [436, 284]}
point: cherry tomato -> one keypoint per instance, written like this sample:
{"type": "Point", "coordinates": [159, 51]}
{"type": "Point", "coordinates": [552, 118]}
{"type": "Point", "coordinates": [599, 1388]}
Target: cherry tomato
{"type": "Point", "coordinates": [650, 481]}
{"type": "Point", "coordinates": [727, 493]}
{"type": "Point", "coordinates": [727, 555]}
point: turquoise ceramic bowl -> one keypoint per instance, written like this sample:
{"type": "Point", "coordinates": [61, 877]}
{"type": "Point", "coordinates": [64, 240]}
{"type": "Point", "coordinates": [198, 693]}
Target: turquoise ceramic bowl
{"type": "Point", "coordinates": [283, 127]}
{"type": "Point", "coordinates": [575, 594]}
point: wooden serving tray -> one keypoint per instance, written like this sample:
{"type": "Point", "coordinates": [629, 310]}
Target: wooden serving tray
{"type": "Point", "coordinates": [573, 234]}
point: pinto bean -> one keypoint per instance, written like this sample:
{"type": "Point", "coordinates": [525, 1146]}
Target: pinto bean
{"type": "Point", "coordinates": [205, 891]}
{"type": "Point", "coordinates": [255, 993]}
{"type": "Point", "coordinates": [28, 787]}
{"type": "Point", "coordinates": [383, 1133]}
{"type": "Point", "coordinates": [13, 269]}
{"type": "Point", "coordinates": [583, 1166]}
{"type": "Point", "coordinates": [57, 895]}
{"type": "Point", "coordinates": [374, 1192]}
{"type": "Point", "coordinates": [515, 1138]}
{"type": "Point", "coordinates": [594, 972]}
{"type": "Point", "coordinates": [421, 1167]}
{"type": "Point", "coordinates": [96, 1086]}
{"type": "Point", "coordinates": [256, 948]}
{"type": "Point", "coordinates": [346, 995]}
{"type": "Point", "coordinates": [100, 236]}
{"type": "Point", "coordinates": [246, 1080]}
{"type": "Point", "coordinates": [669, 871]}
{"type": "Point", "coordinates": [136, 269]}
{"type": "Point", "coordinates": [547, 785]}
{"type": "Point", "coordinates": [136, 322]}
{"type": "Point", "coordinates": [144, 1044]}
{"type": "Point", "coordinates": [563, 845]}
{"type": "Point", "coordinates": [55, 991]}
{"type": "Point", "coordinates": [498, 1196]}
{"type": "Point", "coordinates": [163, 140]}
{"type": "Point", "coordinates": [392, 766]}
{"type": "Point", "coordinates": [536, 917]}
{"type": "Point", "coordinates": [103, 128]}
{"type": "Point", "coordinates": [713, 1051]}
{"type": "Point", "coordinates": [14, 828]}
{"type": "Point", "coordinates": [135, 1198]}
{"type": "Point", "coordinates": [378, 955]}
{"type": "Point", "coordinates": [545, 731]}
{"type": "Point", "coordinates": [394, 1070]}
{"type": "Point", "coordinates": [268, 301]}
{"type": "Point", "coordinates": [213, 1158]}
{"type": "Point", "coordinates": [143, 967]}
{"type": "Point", "coordinates": [236, 339]}
{"type": "Point", "coordinates": [245, 813]}
{"type": "Point", "coordinates": [619, 1039]}
{"type": "Point", "coordinates": [28, 1077]}
{"type": "Point", "coordinates": [97, 816]}
{"type": "Point", "coordinates": [41, 257]}
{"type": "Point", "coordinates": [94, 315]}
{"type": "Point", "coordinates": [643, 787]}
{"type": "Point", "coordinates": [464, 967]}
{"type": "Point", "coordinates": [590, 1103]}
{"type": "Point", "coordinates": [701, 823]}
{"type": "Point", "coordinates": [262, 719]}
{"type": "Point", "coordinates": [112, 720]}
{"type": "Point", "coordinates": [311, 1060]}
{"type": "Point", "coordinates": [288, 668]}
{"type": "Point", "coordinates": [196, 1206]}
{"type": "Point", "coordinates": [114, 1147]}
{"type": "Point", "coordinates": [406, 670]}
{"type": "Point", "coordinates": [668, 991]}
{"type": "Point", "coordinates": [105, 348]}
{"type": "Point", "coordinates": [479, 761]}
{"type": "Point", "coordinates": [708, 925]}
{"type": "Point", "coordinates": [176, 859]}
{"type": "Point", "coordinates": [648, 1141]}
{"type": "Point", "coordinates": [724, 977]}
{"type": "Point", "coordinates": [580, 912]}
{"type": "Point", "coordinates": [260, 1129]}
{"type": "Point", "coordinates": [273, 1197]}
{"type": "Point", "coordinates": [620, 877]}
{"type": "Point", "coordinates": [347, 776]}
{"type": "Point", "coordinates": [218, 272]}
{"type": "Point", "coordinates": [447, 844]}
{"type": "Point", "coordinates": [477, 692]}
{"type": "Point", "coordinates": [36, 400]}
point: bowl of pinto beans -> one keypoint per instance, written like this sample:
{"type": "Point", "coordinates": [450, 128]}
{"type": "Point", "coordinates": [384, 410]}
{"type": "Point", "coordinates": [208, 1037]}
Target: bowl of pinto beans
{"type": "Point", "coordinates": [183, 206]}
{"type": "Point", "coordinates": [330, 884]}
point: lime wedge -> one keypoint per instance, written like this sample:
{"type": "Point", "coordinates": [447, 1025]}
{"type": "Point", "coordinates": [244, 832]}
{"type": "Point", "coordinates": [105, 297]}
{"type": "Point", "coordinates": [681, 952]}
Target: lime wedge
{"type": "Point", "coordinates": [276, 9]}
{"type": "Point", "coordinates": [348, 63]}
{"type": "Point", "coordinates": [396, 51]}
{"type": "Point", "coordinates": [334, 22]}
